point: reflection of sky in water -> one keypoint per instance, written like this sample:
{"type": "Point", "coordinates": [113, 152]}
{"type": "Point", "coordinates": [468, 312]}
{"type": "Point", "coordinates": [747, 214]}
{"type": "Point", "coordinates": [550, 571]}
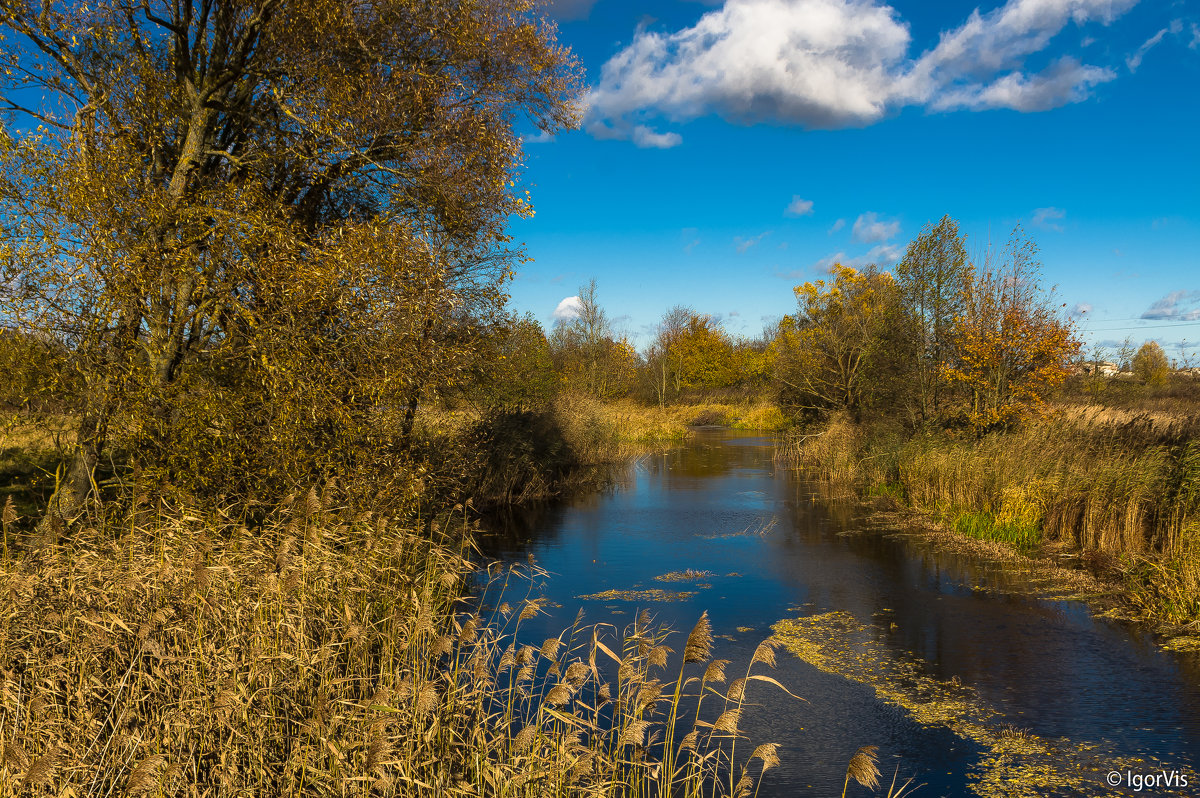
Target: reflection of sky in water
{"type": "Point", "coordinates": [1046, 665]}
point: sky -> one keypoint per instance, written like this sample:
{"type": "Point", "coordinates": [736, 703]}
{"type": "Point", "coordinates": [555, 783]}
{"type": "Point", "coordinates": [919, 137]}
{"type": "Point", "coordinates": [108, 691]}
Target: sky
{"type": "Point", "coordinates": [730, 151]}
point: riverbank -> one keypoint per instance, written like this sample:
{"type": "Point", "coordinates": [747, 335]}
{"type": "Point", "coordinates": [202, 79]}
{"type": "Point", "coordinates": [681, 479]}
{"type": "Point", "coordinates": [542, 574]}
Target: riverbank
{"type": "Point", "coordinates": [1118, 497]}
{"type": "Point", "coordinates": [325, 647]}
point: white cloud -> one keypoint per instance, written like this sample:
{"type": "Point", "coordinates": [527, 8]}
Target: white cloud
{"type": "Point", "coordinates": [879, 255]}
{"type": "Point", "coordinates": [838, 225]}
{"type": "Point", "coordinates": [799, 207]}
{"type": "Point", "coordinates": [744, 244]}
{"type": "Point", "coordinates": [646, 138]}
{"type": "Point", "coordinates": [568, 309]}
{"type": "Point", "coordinates": [1195, 42]}
{"type": "Point", "coordinates": [1134, 61]}
{"type": "Point", "coordinates": [1176, 306]}
{"type": "Point", "coordinates": [869, 228]}
{"type": "Point", "coordinates": [1081, 309]}
{"type": "Point", "coordinates": [1065, 81]}
{"type": "Point", "coordinates": [541, 137]}
{"type": "Point", "coordinates": [829, 64]}
{"type": "Point", "coordinates": [1047, 218]}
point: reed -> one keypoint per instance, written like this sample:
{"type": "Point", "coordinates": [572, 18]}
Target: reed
{"type": "Point", "coordinates": [1126, 487]}
{"type": "Point", "coordinates": [327, 654]}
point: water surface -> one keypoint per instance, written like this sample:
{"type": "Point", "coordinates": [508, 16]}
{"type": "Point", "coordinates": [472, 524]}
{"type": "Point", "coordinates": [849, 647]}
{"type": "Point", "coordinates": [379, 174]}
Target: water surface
{"type": "Point", "coordinates": [777, 550]}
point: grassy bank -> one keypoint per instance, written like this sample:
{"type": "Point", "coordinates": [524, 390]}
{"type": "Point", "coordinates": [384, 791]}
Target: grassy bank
{"type": "Point", "coordinates": [160, 650]}
{"type": "Point", "coordinates": [1122, 492]}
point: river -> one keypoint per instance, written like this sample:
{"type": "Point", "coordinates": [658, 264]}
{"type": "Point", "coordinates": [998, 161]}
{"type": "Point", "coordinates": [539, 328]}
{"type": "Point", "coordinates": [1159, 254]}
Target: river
{"type": "Point", "coordinates": [921, 625]}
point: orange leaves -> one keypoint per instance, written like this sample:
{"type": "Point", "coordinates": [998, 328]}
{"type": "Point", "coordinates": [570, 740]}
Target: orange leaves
{"type": "Point", "coordinates": [1011, 339]}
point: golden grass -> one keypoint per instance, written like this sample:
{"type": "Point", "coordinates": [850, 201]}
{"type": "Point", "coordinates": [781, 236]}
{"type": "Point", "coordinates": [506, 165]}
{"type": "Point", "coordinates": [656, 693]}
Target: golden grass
{"type": "Point", "coordinates": [1124, 488]}
{"type": "Point", "coordinates": [321, 654]}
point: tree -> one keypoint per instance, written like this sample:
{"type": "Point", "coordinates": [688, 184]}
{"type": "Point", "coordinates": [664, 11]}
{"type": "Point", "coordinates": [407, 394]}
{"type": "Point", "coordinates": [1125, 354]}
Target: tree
{"type": "Point", "coordinates": [254, 197]}
{"type": "Point", "coordinates": [1150, 366]}
{"type": "Point", "coordinates": [664, 355]}
{"type": "Point", "coordinates": [827, 356]}
{"type": "Point", "coordinates": [1125, 355]}
{"type": "Point", "coordinates": [587, 352]}
{"type": "Point", "coordinates": [518, 373]}
{"type": "Point", "coordinates": [1012, 340]}
{"type": "Point", "coordinates": [932, 280]}
{"type": "Point", "coordinates": [703, 354]}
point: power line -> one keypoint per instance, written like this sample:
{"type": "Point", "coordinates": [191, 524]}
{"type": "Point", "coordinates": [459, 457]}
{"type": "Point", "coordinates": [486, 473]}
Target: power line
{"type": "Point", "coordinates": [1144, 327]}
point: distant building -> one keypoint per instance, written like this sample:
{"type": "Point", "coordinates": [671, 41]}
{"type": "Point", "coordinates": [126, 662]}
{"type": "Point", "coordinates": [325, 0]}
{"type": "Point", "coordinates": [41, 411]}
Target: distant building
{"type": "Point", "coordinates": [1101, 367]}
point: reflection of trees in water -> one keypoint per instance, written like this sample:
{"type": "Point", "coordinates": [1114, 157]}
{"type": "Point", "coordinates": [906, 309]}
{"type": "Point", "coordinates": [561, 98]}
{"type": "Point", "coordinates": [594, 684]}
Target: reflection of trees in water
{"type": "Point", "coordinates": [509, 530]}
{"type": "Point", "coordinates": [711, 456]}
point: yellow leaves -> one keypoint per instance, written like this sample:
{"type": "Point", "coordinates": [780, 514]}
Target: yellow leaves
{"type": "Point", "coordinates": [1012, 346]}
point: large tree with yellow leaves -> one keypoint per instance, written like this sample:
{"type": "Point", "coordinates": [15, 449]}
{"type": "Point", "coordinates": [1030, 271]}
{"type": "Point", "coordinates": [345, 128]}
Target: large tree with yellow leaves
{"type": "Point", "coordinates": [263, 228]}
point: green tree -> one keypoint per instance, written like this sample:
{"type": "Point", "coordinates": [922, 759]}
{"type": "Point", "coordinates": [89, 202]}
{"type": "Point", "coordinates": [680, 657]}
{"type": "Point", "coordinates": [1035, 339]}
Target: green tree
{"type": "Point", "coordinates": [1150, 365]}
{"type": "Point", "coordinates": [932, 280]}
{"type": "Point", "coordinates": [285, 210]}
{"type": "Point", "coordinates": [518, 372]}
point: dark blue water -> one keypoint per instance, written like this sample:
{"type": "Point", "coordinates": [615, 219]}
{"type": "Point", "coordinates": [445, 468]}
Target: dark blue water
{"type": "Point", "coordinates": [1047, 666]}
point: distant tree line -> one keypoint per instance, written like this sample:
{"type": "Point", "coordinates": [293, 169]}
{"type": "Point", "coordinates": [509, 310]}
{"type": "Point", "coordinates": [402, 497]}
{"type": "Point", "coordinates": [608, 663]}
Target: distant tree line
{"type": "Point", "coordinates": [943, 339]}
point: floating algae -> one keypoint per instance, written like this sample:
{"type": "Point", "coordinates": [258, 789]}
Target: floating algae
{"type": "Point", "coordinates": [640, 595]}
{"type": "Point", "coordinates": [1014, 762]}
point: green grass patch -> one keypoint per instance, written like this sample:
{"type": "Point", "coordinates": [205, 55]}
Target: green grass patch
{"type": "Point", "coordinates": [1025, 537]}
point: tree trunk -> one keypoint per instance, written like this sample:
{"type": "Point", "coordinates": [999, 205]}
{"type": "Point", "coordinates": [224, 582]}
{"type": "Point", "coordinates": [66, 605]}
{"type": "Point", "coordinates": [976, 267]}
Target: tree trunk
{"type": "Point", "coordinates": [72, 492]}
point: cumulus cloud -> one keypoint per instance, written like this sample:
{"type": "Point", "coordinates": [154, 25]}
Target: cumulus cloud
{"type": "Point", "coordinates": [838, 225]}
{"type": "Point", "coordinates": [1047, 218]}
{"type": "Point", "coordinates": [827, 64]}
{"type": "Point", "coordinates": [869, 228]}
{"type": "Point", "coordinates": [1176, 306]}
{"type": "Point", "coordinates": [568, 309]}
{"type": "Point", "coordinates": [799, 207]}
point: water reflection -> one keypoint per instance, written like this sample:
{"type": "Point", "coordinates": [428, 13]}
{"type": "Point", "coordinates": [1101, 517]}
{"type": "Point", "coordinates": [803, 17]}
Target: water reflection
{"type": "Point", "coordinates": [776, 548]}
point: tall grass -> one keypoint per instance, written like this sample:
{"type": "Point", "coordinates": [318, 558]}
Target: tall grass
{"type": "Point", "coordinates": [168, 652]}
{"type": "Point", "coordinates": [1126, 488]}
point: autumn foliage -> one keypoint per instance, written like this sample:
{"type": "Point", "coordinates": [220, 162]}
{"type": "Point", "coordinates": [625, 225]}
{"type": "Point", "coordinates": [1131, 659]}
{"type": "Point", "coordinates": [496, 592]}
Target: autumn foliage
{"type": "Point", "coordinates": [827, 356]}
{"type": "Point", "coordinates": [950, 342]}
{"type": "Point", "coordinates": [1013, 343]}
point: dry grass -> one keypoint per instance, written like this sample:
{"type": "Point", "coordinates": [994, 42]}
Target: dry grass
{"type": "Point", "coordinates": [1125, 487]}
{"type": "Point", "coordinates": [187, 655]}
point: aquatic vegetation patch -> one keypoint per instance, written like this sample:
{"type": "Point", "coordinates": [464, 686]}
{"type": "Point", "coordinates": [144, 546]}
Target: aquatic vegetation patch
{"type": "Point", "coordinates": [686, 575]}
{"type": "Point", "coordinates": [1015, 763]}
{"type": "Point", "coordinates": [641, 595]}
{"type": "Point", "coordinates": [1185, 643]}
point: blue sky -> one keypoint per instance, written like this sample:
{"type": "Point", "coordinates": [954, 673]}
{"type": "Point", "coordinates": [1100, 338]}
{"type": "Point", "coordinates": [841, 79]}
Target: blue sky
{"type": "Point", "coordinates": [731, 150]}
